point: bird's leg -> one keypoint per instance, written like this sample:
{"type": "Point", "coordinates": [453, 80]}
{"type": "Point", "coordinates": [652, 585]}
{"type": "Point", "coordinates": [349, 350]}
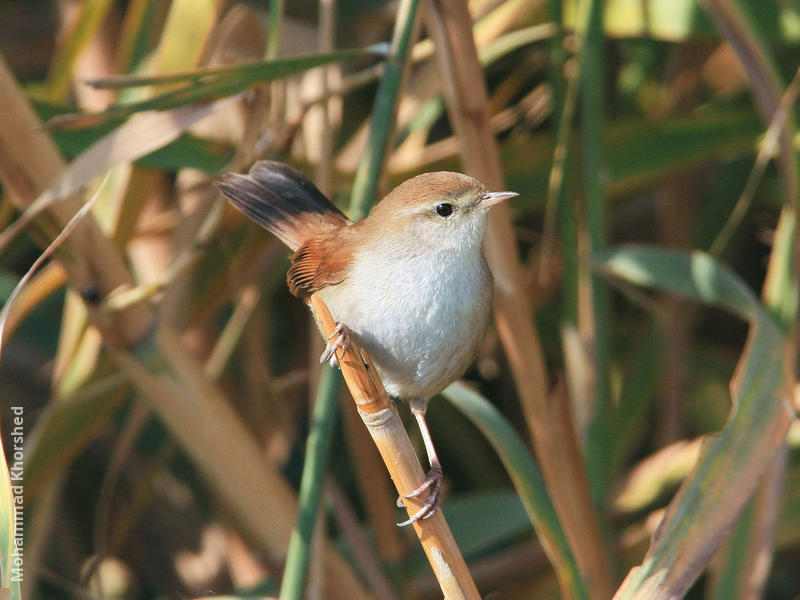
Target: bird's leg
{"type": "Point", "coordinates": [433, 480]}
{"type": "Point", "coordinates": [339, 339]}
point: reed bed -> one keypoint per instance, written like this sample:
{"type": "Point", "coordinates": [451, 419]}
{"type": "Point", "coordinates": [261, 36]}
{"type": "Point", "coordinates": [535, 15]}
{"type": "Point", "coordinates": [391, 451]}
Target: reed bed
{"type": "Point", "coordinates": [629, 427]}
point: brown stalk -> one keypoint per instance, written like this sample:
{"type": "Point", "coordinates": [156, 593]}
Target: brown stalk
{"type": "Point", "coordinates": [676, 199]}
{"type": "Point", "coordinates": [578, 513]}
{"type": "Point", "coordinates": [450, 25]}
{"type": "Point", "coordinates": [386, 428]}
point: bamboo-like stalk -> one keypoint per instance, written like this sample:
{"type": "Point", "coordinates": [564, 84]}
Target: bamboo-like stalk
{"type": "Point", "coordinates": [364, 191]}
{"type": "Point", "coordinates": [386, 428]}
{"type": "Point", "coordinates": [451, 27]}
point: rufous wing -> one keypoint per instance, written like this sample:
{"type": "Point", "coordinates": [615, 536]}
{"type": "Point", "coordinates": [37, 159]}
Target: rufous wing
{"type": "Point", "coordinates": [322, 261]}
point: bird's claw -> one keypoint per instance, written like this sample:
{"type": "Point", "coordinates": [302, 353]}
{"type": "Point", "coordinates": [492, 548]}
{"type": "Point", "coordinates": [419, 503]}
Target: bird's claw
{"type": "Point", "coordinates": [338, 340]}
{"type": "Point", "coordinates": [433, 485]}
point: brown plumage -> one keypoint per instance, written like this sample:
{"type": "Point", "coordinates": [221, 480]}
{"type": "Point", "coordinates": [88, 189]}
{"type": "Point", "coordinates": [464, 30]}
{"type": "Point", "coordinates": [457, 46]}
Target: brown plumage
{"type": "Point", "coordinates": [425, 189]}
{"type": "Point", "coordinates": [288, 205]}
{"type": "Point", "coordinates": [409, 283]}
{"type": "Point", "coordinates": [284, 202]}
{"type": "Point", "coordinates": [320, 262]}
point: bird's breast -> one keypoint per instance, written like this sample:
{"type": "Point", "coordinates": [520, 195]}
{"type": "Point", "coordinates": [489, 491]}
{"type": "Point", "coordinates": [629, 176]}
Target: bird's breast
{"type": "Point", "coordinates": [421, 315]}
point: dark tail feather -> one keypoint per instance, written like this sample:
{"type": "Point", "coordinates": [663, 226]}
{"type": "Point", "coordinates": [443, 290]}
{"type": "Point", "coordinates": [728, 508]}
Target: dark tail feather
{"type": "Point", "coordinates": [282, 201]}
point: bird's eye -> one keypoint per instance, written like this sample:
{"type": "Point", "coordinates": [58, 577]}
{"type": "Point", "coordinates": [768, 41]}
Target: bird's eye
{"type": "Point", "coordinates": [444, 210]}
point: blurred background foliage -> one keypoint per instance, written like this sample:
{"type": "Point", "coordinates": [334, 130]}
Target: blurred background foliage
{"type": "Point", "coordinates": [163, 451]}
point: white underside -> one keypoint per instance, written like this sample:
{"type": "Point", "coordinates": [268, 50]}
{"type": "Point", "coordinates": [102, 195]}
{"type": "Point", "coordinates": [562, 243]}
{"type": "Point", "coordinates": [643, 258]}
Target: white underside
{"type": "Point", "coordinates": [420, 317]}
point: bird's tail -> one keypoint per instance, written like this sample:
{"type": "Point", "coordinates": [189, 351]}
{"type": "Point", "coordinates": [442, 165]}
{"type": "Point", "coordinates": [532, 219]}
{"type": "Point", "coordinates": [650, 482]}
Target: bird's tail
{"type": "Point", "coordinates": [282, 201]}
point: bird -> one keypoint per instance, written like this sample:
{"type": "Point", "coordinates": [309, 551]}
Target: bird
{"type": "Point", "coordinates": [409, 282]}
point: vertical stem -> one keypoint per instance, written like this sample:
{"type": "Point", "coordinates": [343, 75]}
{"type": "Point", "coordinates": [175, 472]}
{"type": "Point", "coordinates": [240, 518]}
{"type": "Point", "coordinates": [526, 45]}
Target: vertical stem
{"type": "Point", "coordinates": [274, 35]}
{"type": "Point", "coordinates": [318, 446]}
{"type": "Point", "coordinates": [323, 418]}
{"type": "Point", "coordinates": [565, 94]}
{"type": "Point", "coordinates": [381, 128]}
{"type": "Point", "coordinates": [593, 295]}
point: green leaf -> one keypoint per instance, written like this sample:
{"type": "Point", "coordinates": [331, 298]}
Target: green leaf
{"type": "Point", "coordinates": [526, 478]}
{"type": "Point", "coordinates": [190, 152]}
{"type": "Point", "coordinates": [482, 521]}
{"type": "Point", "coordinates": [250, 71]}
{"type": "Point", "coordinates": [697, 276]}
{"type": "Point", "coordinates": [732, 463]}
{"type": "Point", "coordinates": [203, 85]}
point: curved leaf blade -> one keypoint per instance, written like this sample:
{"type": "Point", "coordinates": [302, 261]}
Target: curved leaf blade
{"type": "Point", "coordinates": [526, 478]}
{"type": "Point", "coordinates": [731, 464]}
{"type": "Point", "coordinates": [697, 276]}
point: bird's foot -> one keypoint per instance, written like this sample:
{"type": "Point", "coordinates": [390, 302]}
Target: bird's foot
{"type": "Point", "coordinates": [433, 485]}
{"type": "Point", "coordinates": [338, 340]}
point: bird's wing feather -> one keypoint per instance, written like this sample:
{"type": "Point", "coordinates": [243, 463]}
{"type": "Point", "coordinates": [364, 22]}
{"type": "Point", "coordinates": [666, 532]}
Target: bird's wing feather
{"type": "Point", "coordinates": [322, 261]}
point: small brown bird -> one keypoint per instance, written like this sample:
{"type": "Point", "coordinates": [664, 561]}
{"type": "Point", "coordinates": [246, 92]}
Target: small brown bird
{"type": "Point", "coordinates": [409, 282]}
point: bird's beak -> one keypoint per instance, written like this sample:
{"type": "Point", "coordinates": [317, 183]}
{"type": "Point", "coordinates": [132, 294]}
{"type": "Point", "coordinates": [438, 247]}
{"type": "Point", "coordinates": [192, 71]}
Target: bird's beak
{"type": "Point", "coordinates": [492, 198]}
